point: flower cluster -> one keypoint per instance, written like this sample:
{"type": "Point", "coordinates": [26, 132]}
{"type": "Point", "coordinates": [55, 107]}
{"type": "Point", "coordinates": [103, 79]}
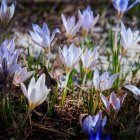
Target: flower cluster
{"type": "Point", "coordinates": [8, 59]}
{"type": "Point", "coordinates": [86, 22]}
{"type": "Point", "coordinates": [9, 67]}
{"type": "Point", "coordinates": [87, 59]}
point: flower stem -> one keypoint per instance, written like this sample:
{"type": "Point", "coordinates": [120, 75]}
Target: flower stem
{"type": "Point", "coordinates": [48, 58]}
{"type": "Point", "coordinates": [116, 36]}
{"type": "Point", "coordinates": [65, 89]}
{"type": "Point", "coordinates": [27, 116]}
{"type": "Point", "coordinates": [83, 83]}
{"type": "Point", "coordinates": [116, 62]}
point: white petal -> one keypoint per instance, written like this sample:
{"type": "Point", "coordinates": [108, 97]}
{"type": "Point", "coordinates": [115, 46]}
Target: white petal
{"type": "Point", "coordinates": [64, 22]}
{"type": "Point", "coordinates": [112, 80]}
{"type": "Point", "coordinates": [31, 85]}
{"type": "Point", "coordinates": [134, 90]}
{"type": "Point", "coordinates": [24, 90]}
{"type": "Point", "coordinates": [53, 34]}
{"type": "Point", "coordinates": [105, 101]}
{"type": "Point", "coordinates": [95, 77]}
{"type": "Point", "coordinates": [41, 81]}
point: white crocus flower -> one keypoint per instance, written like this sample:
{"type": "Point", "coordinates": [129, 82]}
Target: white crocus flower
{"type": "Point", "coordinates": [21, 75]}
{"type": "Point", "coordinates": [71, 26]}
{"type": "Point", "coordinates": [37, 91]}
{"type": "Point", "coordinates": [134, 90]}
{"type": "Point", "coordinates": [128, 40]}
{"type": "Point", "coordinates": [42, 36]}
{"type": "Point", "coordinates": [6, 13]}
{"type": "Point", "coordinates": [87, 20]}
{"type": "Point", "coordinates": [70, 56]}
{"type": "Point", "coordinates": [89, 59]}
{"type": "Point", "coordinates": [103, 82]}
{"type": "Point", "coordinates": [113, 101]}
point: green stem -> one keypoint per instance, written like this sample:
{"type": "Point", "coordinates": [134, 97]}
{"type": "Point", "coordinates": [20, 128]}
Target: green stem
{"type": "Point", "coordinates": [116, 62]}
{"type": "Point", "coordinates": [116, 36]}
{"type": "Point", "coordinates": [48, 58]}
{"type": "Point", "coordinates": [24, 122]}
{"type": "Point", "coordinates": [80, 93]}
{"type": "Point", "coordinates": [65, 89]}
{"type": "Point", "coordinates": [27, 116]}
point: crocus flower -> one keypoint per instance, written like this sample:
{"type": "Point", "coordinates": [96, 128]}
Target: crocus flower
{"type": "Point", "coordinates": [123, 5]}
{"type": "Point", "coordinates": [128, 41]}
{"type": "Point", "coordinates": [21, 75]}
{"type": "Point", "coordinates": [134, 90]}
{"type": "Point", "coordinates": [71, 26]}
{"type": "Point", "coordinates": [6, 12]}
{"type": "Point", "coordinates": [9, 65]}
{"type": "Point", "coordinates": [103, 82]}
{"type": "Point", "coordinates": [70, 56]}
{"type": "Point", "coordinates": [91, 124]}
{"type": "Point", "coordinates": [87, 20]}
{"type": "Point", "coordinates": [8, 59]}
{"type": "Point", "coordinates": [10, 45]}
{"type": "Point", "coordinates": [42, 36]}
{"type": "Point", "coordinates": [113, 101]}
{"type": "Point", "coordinates": [37, 91]}
{"type": "Point", "coordinates": [89, 59]}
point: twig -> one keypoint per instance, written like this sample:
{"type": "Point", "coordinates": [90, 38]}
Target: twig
{"type": "Point", "coordinates": [50, 129]}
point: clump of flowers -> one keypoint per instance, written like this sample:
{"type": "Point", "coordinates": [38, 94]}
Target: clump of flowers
{"type": "Point", "coordinates": [8, 60]}
{"type": "Point", "coordinates": [92, 97]}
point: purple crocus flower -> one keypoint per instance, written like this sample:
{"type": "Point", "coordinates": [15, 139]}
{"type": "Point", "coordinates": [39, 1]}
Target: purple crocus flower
{"type": "Point", "coordinates": [99, 136]}
{"type": "Point", "coordinates": [113, 101]}
{"type": "Point", "coordinates": [8, 59]}
{"type": "Point", "coordinates": [87, 20]}
{"type": "Point", "coordinates": [6, 12]}
{"type": "Point", "coordinates": [71, 26]}
{"type": "Point", "coordinates": [21, 75]}
{"type": "Point", "coordinates": [42, 36]}
{"type": "Point", "coordinates": [103, 82]}
{"type": "Point", "coordinates": [91, 124]}
{"type": "Point", "coordinates": [70, 56]}
{"type": "Point", "coordinates": [123, 5]}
